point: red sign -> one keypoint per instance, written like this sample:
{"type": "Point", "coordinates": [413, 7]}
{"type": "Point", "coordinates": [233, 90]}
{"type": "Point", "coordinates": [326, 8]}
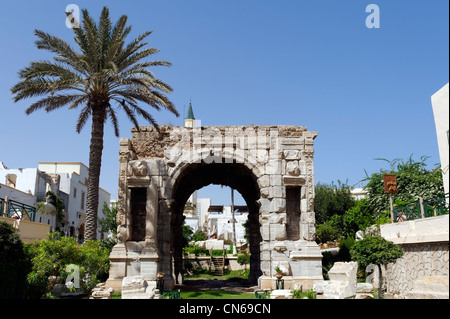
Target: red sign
{"type": "Point", "coordinates": [390, 183]}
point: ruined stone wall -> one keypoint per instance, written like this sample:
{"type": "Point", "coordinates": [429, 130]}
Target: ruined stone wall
{"type": "Point", "coordinates": [425, 246]}
{"type": "Point", "coordinates": [419, 260]}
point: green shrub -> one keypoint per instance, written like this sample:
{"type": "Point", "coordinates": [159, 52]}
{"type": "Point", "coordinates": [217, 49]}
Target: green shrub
{"type": "Point", "coordinates": [345, 245]}
{"type": "Point", "coordinates": [195, 250]}
{"type": "Point", "coordinates": [326, 232]}
{"type": "Point", "coordinates": [14, 264]}
{"type": "Point", "coordinates": [328, 260]}
{"type": "Point", "coordinates": [199, 236]}
{"type": "Point", "coordinates": [50, 257]}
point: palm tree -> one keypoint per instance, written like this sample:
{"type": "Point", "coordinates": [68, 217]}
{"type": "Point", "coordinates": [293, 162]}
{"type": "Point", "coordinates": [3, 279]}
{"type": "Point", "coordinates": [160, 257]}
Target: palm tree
{"type": "Point", "coordinates": [105, 76]}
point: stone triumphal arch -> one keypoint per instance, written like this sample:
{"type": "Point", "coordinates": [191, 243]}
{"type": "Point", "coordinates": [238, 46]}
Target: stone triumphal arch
{"type": "Point", "coordinates": [272, 168]}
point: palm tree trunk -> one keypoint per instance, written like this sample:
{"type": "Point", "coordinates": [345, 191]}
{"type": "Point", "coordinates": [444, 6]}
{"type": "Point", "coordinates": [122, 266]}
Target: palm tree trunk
{"type": "Point", "coordinates": [95, 161]}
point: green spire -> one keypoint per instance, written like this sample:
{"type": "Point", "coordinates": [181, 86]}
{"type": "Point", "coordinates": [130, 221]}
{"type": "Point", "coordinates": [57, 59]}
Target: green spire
{"type": "Point", "coordinates": [190, 113]}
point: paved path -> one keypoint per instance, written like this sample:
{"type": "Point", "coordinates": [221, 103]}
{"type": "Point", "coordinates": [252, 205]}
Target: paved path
{"type": "Point", "coordinates": [240, 285]}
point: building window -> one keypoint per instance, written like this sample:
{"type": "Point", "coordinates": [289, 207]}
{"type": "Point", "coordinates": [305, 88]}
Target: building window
{"type": "Point", "coordinates": [293, 195]}
{"type": "Point", "coordinates": [74, 192]}
{"type": "Point", "coordinates": [82, 200]}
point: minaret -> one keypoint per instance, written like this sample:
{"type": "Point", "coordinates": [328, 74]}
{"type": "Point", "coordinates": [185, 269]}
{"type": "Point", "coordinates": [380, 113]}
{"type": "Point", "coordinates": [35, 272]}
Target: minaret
{"type": "Point", "coordinates": [190, 208]}
{"type": "Point", "coordinates": [189, 120]}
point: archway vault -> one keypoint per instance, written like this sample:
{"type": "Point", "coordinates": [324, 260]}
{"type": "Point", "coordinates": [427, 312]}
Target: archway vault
{"type": "Point", "coordinates": [234, 175]}
{"type": "Point", "coordinates": [272, 168]}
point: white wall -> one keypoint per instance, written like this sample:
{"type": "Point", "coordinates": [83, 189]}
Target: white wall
{"type": "Point", "coordinates": [17, 195]}
{"type": "Point", "coordinates": [440, 104]}
{"type": "Point", "coordinates": [203, 204]}
{"type": "Point", "coordinates": [25, 178]}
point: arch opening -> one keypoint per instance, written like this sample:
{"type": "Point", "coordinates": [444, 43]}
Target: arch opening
{"type": "Point", "coordinates": [199, 175]}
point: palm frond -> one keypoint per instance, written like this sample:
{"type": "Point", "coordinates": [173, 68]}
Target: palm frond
{"type": "Point", "coordinates": [48, 69]}
{"type": "Point", "coordinates": [132, 47]}
{"type": "Point", "coordinates": [128, 112]}
{"type": "Point", "coordinates": [77, 102]}
{"type": "Point", "coordinates": [115, 122]}
{"type": "Point", "coordinates": [41, 86]}
{"type": "Point", "coordinates": [54, 44]}
{"type": "Point", "coordinates": [51, 103]}
{"type": "Point", "coordinates": [84, 115]}
{"type": "Point", "coordinates": [135, 57]}
{"type": "Point", "coordinates": [105, 27]}
{"type": "Point", "coordinates": [118, 35]}
{"type": "Point", "coordinates": [65, 53]}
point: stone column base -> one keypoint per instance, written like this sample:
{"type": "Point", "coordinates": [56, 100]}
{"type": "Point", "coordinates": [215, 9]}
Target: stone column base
{"type": "Point", "coordinates": [115, 284]}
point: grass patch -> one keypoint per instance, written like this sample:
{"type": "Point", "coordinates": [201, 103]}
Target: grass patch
{"type": "Point", "coordinates": [231, 275]}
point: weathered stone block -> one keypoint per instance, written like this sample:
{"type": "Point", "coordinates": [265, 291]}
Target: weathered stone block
{"type": "Point", "coordinates": [273, 167]}
{"type": "Point", "coordinates": [278, 205]}
{"type": "Point", "coordinates": [430, 287]}
{"type": "Point", "coordinates": [277, 191]}
{"type": "Point", "coordinates": [281, 294]}
{"type": "Point", "coordinates": [342, 283]}
{"type": "Point", "coordinates": [277, 231]}
{"type": "Point", "coordinates": [292, 168]}
{"type": "Point", "coordinates": [264, 181]}
{"type": "Point", "coordinates": [291, 154]}
{"type": "Point", "coordinates": [276, 180]}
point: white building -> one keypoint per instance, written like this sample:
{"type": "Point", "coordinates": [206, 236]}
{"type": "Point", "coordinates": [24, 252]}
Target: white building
{"type": "Point", "coordinates": [73, 183]}
{"type": "Point", "coordinates": [220, 222]}
{"type": "Point", "coordinates": [440, 104]}
{"type": "Point", "coordinates": [23, 188]}
{"type": "Point", "coordinates": [359, 193]}
{"type": "Point", "coordinates": [202, 213]}
{"type": "Point", "coordinates": [68, 180]}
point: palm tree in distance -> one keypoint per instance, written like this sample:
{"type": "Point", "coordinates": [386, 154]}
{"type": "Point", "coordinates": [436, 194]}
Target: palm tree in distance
{"type": "Point", "coordinates": [104, 77]}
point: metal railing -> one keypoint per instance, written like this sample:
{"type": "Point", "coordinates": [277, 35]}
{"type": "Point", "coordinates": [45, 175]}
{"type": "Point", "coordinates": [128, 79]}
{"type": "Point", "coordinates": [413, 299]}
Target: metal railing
{"type": "Point", "coordinates": [422, 209]}
{"type": "Point", "coordinates": [13, 209]}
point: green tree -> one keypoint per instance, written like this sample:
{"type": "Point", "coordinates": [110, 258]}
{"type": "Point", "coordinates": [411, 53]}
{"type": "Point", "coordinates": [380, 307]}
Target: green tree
{"type": "Point", "coordinates": [414, 180]}
{"type": "Point", "coordinates": [187, 233]}
{"type": "Point", "coordinates": [105, 75]}
{"type": "Point", "coordinates": [243, 259]}
{"type": "Point", "coordinates": [108, 223]}
{"type": "Point", "coordinates": [199, 236]}
{"type": "Point", "coordinates": [375, 250]}
{"type": "Point", "coordinates": [331, 200]}
{"type": "Point", "coordinates": [359, 217]}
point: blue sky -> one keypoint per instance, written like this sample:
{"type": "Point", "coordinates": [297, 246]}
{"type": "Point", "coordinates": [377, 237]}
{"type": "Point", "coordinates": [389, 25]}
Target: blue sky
{"type": "Point", "coordinates": [310, 63]}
